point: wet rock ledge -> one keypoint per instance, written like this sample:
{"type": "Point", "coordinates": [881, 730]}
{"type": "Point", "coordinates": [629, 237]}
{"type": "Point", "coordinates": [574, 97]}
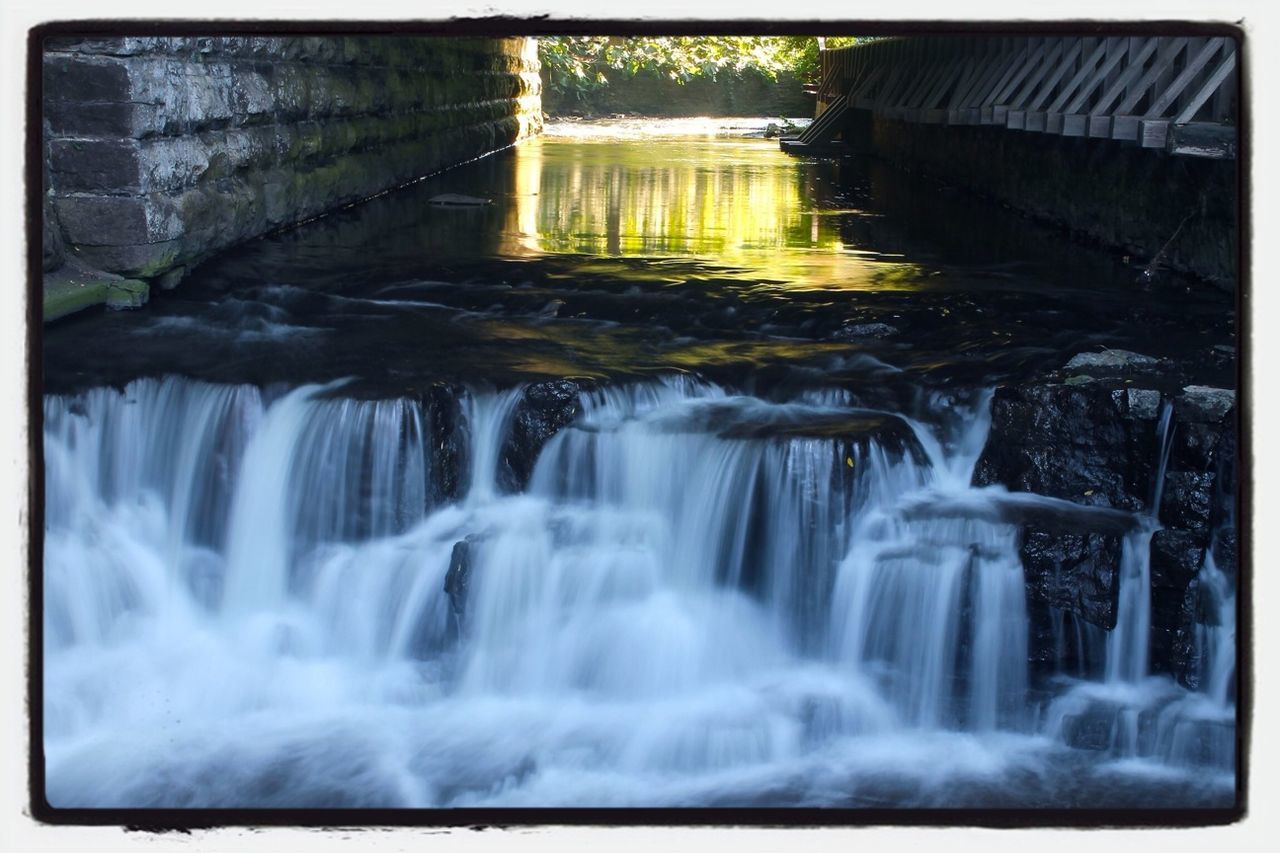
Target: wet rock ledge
{"type": "Point", "coordinates": [1092, 435]}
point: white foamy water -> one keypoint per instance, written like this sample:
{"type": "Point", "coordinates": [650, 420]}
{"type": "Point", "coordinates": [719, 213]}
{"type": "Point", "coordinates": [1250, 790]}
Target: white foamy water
{"type": "Point", "coordinates": [246, 605]}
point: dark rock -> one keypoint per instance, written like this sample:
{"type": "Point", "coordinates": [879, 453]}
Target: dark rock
{"type": "Point", "coordinates": [1200, 404]}
{"type": "Point", "coordinates": [171, 279]}
{"type": "Point", "coordinates": [1143, 403]}
{"type": "Point", "coordinates": [545, 409]}
{"type": "Point", "coordinates": [1061, 643]}
{"type": "Point", "coordinates": [854, 331]}
{"type": "Point", "coordinates": [448, 442]}
{"type": "Point", "coordinates": [1074, 572]}
{"type": "Point", "coordinates": [854, 429]}
{"type": "Point", "coordinates": [458, 579]}
{"type": "Point", "coordinates": [1195, 447]}
{"type": "Point", "coordinates": [1075, 443]}
{"type": "Point", "coordinates": [1176, 558]}
{"type": "Point", "coordinates": [1225, 556]}
{"type": "Point", "coordinates": [127, 293]}
{"type": "Point", "coordinates": [1226, 486]}
{"type": "Point", "coordinates": [1187, 499]}
{"type": "Point", "coordinates": [1111, 361]}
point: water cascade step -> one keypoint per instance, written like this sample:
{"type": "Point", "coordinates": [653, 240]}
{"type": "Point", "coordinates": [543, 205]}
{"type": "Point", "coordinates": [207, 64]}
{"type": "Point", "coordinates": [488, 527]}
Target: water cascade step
{"type": "Point", "coordinates": [702, 597]}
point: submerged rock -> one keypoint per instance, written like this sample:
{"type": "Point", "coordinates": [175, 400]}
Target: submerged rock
{"type": "Point", "coordinates": [458, 200]}
{"type": "Point", "coordinates": [854, 331]}
{"type": "Point", "coordinates": [128, 293]}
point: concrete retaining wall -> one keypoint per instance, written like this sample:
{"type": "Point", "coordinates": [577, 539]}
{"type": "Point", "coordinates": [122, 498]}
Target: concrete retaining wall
{"type": "Point", "coordinates": [162, 151]}
{"type": "Point", "coordinates": [1119, 195]}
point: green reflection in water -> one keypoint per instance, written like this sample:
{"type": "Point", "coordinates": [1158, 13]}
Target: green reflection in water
{"type": "Point", "coordinates": [739, 203]}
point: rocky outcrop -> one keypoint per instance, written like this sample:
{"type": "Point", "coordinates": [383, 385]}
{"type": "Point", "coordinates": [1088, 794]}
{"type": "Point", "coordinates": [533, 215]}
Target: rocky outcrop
{"type": "Point", "coordinates": [448, 441]}
{"type": "Point", "coordinates": [545, 409]}
{"type": "Point", "coordinates": [1076, 572]}
{"type": "Point", "coordinates": [1098, 443]}
{"type": "Point", "coordinates": [1079, 443]}
{"type": "Point", "coordinates": [162, 151]}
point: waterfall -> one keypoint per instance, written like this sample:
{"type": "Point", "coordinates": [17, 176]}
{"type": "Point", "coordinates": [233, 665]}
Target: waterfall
{"type": "Point", "coordinates": [702, 597]}
{"type": "Point", "coordinates": [1127, 645]}
{"type": "Point", "coordinates": [487, 414]}
{"type": "Point", "coordinates": [917, 580]}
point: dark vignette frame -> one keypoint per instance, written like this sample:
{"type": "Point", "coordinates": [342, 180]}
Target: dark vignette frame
{"type": "Point", "coordinates": [477, 819]}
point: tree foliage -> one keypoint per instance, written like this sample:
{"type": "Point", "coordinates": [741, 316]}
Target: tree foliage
{"type": "Point", "coordinates": [579, 64]}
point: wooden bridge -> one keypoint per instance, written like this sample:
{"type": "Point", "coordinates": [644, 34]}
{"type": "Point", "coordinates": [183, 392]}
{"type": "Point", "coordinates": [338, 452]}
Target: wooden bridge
{"type": "Point", "coordinates": [1178, 94]}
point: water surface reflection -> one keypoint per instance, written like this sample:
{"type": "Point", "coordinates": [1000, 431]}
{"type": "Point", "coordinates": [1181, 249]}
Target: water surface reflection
{"type": "Point", "coordinates": [610, 254]}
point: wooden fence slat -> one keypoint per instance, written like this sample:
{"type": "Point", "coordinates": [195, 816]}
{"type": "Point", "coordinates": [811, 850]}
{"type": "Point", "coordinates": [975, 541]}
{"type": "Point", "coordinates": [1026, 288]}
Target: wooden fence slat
{"type": "Point", "coordinates": [1055, 121]}
{"type": "Point", "coordinates": [1220, 74]}
{"type": "Point", "coordinates": [1136, 63]}
{"type": "Point", "coordinates": [1035, 119]}
{"type": "Point", "coordinates": [1068, 61]}
{"type": "Point", "coordinates": [1192, 68]}
{"type": "Point", "coordinates": [1026, 78]}
{"type": "Point", "coordinates": [1017, 116]}
{"type": "Point", "coordinates": [897, 80]}
{"type": "Point", "coordinates": [973, 74]}
{"type": "Point", "coordinates": [864, 87]}
{"type": "Point", "coordinates": [1086, 68]}
{"type": "Point", "coordinates": [1148, 90]}
{"type": "Point", "coordinates": [966, 110]}
{"type": "Point", "coordinates": [927, 80]}
{"type": "Point", "coordinates": [987, 103]}
{"type": "Point", "coordinates": [1011, 66]}
{"type": "Point", "coordinates": [1116, 52]}
{"type": "Point", "coordinates": [945, 84]}
{"type": "Point", "coordinates": [1162, 64]}
{"type": "Point", "coordinates": [1002, 97]}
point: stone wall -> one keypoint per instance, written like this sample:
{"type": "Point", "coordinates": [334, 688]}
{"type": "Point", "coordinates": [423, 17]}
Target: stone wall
{"type": "Point", "coordinates": [1133, 199]}
{"type": "Point", "coordinates": [163, 151]}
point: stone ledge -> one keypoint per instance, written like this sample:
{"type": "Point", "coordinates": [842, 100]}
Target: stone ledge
{"type": "Point", "coordinates": [75, 287]}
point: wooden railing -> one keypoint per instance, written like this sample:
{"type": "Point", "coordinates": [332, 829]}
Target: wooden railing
{"type": "Point", "coordinates": [1174, 93]}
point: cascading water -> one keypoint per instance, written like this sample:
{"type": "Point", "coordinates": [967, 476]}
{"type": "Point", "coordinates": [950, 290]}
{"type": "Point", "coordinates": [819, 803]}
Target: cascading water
{"type": "Point", "coordinates": [698, 600]}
